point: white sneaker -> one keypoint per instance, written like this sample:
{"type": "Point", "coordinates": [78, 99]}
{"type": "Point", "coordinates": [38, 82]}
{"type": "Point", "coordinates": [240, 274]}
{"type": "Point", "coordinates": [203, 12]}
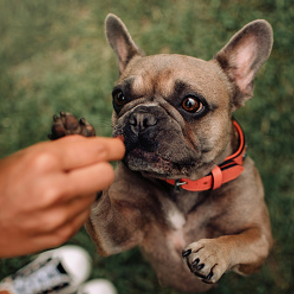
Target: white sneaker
{"type": "Point", "coordinates": [60, 270]}
{"type": "Point", "coordinates": [97, 286]}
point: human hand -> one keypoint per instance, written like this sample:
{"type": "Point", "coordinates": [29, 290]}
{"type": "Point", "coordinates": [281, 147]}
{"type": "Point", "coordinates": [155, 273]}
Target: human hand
{"type": "Point", "coordinates": [46, 190]}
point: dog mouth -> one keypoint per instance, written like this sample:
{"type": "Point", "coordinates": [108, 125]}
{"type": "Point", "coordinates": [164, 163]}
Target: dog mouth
{"type": "Point", "coordinates": [152, 163]}
{"type": "Point", "coordinates": [149, 152]}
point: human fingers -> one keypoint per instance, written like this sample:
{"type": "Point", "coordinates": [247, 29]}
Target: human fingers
{"type": "Point", "coordinates": [77, 151]}
{"type": "Point", "coordinates": [89, 179]}
{"type": "Point", "coordinates": [52, 218]}
{"type": "Point", "coordinates": [65, 232]}
{"type": "Point", "coordinates": [51, 239]}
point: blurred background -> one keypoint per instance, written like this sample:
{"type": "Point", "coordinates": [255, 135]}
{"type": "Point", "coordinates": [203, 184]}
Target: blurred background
{"type": "Point", "coordinates": [54, 57]}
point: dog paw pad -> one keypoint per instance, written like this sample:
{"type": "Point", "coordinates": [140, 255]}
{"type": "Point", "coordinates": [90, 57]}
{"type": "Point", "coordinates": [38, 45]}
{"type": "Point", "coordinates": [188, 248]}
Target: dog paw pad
{"type": "Point", "coordinates": [67, 124]}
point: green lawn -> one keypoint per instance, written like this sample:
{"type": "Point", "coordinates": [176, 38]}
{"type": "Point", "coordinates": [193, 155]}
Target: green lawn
{"type": "Point", "coordinates": [54, 56]}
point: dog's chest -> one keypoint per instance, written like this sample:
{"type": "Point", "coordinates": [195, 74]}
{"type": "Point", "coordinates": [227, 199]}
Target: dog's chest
{"type": "Point", "coordinates": [175, 218]}
{"type": "Point", "coordinates": [176, 222]}
{"type": "Point", "coordinates": [182, 224]}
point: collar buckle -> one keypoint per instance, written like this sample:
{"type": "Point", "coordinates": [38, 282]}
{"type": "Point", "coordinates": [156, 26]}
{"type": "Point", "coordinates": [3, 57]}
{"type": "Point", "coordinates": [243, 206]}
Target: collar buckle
{"type": "Point", "coordinates": [179, 184]}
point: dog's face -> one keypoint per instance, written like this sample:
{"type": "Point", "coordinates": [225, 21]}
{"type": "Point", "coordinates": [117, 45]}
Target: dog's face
{"type": "Point", "coordinates": [165, 107]}
{"type": "Point", "coordinates": [175, 111]}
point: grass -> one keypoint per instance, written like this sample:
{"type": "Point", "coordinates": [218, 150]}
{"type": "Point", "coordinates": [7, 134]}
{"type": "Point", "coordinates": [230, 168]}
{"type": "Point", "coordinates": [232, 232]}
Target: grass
{"type": "Point", "coordinates": [54, 56]}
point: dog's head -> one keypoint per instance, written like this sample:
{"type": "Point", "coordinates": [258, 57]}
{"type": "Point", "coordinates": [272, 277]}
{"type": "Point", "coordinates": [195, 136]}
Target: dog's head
{"type": "Point", "coordinates": [175, 111]}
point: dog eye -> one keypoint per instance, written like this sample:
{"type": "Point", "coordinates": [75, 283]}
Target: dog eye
{"type": "Point", "coordinates": [191, 104]}
{"type": "Point", "coordinates": [119, 98]}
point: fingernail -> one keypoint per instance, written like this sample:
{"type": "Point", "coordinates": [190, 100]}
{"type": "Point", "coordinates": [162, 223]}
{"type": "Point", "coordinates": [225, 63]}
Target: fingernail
{"type": "Point", "coordinates": [186, 253]}
{"type": "Point", "coordinates": [195, 262]}
{"type": "Point", "coordinates": [206, 282]}
{"type": "Point", "coordinates": [209, 276]}
{"type": "Point", "coordinates": [200, 267]}
{"type": "Point", "coordinates": [82, 121]}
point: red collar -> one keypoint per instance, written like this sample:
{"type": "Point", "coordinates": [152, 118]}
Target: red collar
{"type": "Point", "coordinates": [227, 171]}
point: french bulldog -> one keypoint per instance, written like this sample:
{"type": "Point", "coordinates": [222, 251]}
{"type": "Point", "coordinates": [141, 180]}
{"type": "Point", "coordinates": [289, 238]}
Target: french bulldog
{"type": "Point", "coordinates": [185, 192]}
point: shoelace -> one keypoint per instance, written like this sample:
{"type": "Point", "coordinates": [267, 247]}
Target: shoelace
{"type": "Point", "coordinates": [41, 278]}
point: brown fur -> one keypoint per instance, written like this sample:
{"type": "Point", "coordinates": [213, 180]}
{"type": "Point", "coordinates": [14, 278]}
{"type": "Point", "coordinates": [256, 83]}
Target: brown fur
{"type": "Point", "coordinates": [225, 229]}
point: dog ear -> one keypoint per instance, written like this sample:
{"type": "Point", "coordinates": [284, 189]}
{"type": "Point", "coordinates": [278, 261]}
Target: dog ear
{"type": "Point", "coordinates": [244, 54]}
{"type": "Point", "coordinates": [121, 41]}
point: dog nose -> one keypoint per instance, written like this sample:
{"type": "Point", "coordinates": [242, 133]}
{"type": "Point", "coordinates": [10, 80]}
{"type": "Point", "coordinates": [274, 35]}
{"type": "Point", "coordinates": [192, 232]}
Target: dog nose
{"type": "Point", "coordinates": [141, 120]}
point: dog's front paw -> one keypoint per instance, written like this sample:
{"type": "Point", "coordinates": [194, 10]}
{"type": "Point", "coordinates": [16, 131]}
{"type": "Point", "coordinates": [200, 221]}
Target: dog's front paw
{"type": "Point", "coordinates": [68, 124]}
{"type": "Point", "coordinates": [206, 259]}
